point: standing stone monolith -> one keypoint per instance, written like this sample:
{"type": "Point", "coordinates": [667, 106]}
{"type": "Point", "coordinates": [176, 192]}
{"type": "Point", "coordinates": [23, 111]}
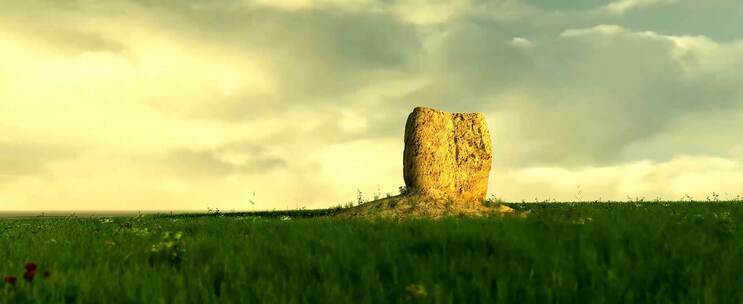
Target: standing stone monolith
{"type": "Point", "coordinates": [447, 156]}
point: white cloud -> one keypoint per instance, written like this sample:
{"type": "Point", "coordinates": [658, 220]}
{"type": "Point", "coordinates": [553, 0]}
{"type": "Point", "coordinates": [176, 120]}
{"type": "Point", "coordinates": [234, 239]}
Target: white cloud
{"type": "Point", "coordinates": [697, 176]}
{"type": "Point", "coordinates": [520, 42]}
{"type": "Point", "coordinates": [605, 29]}
{"type": "Point", "coordinates": [621, 7]}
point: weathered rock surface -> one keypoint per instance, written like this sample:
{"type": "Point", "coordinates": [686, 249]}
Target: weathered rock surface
{"type": "Point", "coordinates": [447, 156]}
{"type": "Point", "coordinates": [446, 161]}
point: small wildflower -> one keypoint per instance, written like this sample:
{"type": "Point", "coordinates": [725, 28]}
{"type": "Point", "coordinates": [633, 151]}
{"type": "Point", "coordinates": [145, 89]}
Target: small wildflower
{"type": "Point", "coordinates": [30, 271]}
{"type": "Point", "coordinates": [416, 291]}
{"type": "Point", "coordinates": [47, 274]}
{"type": "Point", "coordinates": [31, 266]}
{"type": "Point", "coordinates": [29, 275]}
{"type": "Point", "coordinates": [9, 280]}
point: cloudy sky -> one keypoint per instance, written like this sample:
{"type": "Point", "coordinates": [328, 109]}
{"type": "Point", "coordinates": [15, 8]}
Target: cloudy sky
{"type": "Point", "coordinates": [184, 104]}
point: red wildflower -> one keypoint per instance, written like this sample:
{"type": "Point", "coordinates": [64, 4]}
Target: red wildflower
{"type": "Point", "coordinates": [9, 280]}
{"type": "Point", "coordinates": [47, 274]}
{"type": "Point", "coordinates": [31, 266]}
{"type": "Point", "coordinates": [29, 275]}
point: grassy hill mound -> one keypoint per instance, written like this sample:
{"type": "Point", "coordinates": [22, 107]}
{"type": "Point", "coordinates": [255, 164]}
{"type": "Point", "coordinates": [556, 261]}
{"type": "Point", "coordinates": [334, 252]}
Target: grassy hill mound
{"type": "Point", "coordinates": [415, 205]}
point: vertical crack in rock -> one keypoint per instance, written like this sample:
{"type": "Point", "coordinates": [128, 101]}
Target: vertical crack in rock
{"type": "Point", "coordinates": [447, 156]}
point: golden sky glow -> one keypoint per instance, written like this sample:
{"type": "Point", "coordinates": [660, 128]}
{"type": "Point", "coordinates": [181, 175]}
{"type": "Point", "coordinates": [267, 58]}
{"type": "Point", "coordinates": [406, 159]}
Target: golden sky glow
{"type": "Point", "coordinates": [175, 105]}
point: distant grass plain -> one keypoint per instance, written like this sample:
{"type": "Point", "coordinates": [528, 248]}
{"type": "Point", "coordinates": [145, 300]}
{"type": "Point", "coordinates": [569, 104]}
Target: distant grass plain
{"type": "Point", "coordinates": [631, 252]}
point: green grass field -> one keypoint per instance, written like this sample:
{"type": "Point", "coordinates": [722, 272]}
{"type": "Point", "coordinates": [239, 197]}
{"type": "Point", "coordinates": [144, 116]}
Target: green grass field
{"type": "Point", "coordinates": [566, 253]}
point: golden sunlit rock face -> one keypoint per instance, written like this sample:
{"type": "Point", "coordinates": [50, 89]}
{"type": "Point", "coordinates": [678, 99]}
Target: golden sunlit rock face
{"type": "Point", "coordinates": [447, 155]}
